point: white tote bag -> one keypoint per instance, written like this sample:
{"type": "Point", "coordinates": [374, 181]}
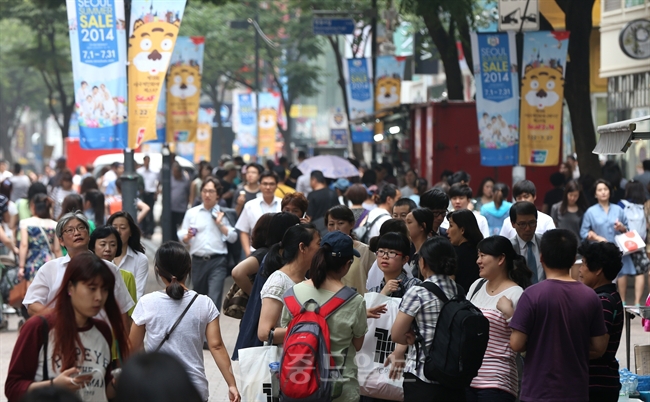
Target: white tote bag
{"type": "Point", "coordinates": [377, 345]}
{"type": "Point", "coordinates": [255, 383]}
{"type": "Point", "coordinates": [630, 242]}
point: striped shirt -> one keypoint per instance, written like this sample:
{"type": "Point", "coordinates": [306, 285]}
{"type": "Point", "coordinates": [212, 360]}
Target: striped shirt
{"type": "Point", "coordinates": [405, 283]}
{"type": "Point", "coordinates": [603, 372]}
{"type": "Point", "coordinates": [499, 368]}
{"type": "Point", "coordinates": [425, 307]}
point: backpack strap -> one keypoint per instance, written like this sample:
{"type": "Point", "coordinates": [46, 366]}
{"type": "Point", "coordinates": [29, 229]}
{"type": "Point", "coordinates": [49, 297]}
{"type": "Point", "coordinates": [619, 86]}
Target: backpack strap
{"type": "Point", "coordinates": [291, 302]}
{"type": "Point", "coordinates": [435, 289]}
{"type": "Point", "coordinates": [478, 287]}
{"type": "Point", "coordinates": [344, 295]}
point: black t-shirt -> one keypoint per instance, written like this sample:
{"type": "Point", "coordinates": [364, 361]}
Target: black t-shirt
{"type": "Point", "coordinates": [320, 201]}
{"type": "Point", "coordinates": [603, 372]}
{"type": "Point", "coordinates": [553, 197]}
{"type": "Point", "coordinates": [466, 269]}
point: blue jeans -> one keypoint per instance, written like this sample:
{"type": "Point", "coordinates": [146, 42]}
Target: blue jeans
{"type": "Point", "coordinates": [208, 277]}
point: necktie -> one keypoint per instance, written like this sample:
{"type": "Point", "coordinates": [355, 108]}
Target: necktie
{"type": "Point", "coordinates": [530, 260]}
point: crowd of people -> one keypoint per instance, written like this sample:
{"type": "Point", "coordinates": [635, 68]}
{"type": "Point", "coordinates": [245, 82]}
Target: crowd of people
{"type": "Point", "coordinates": [283, 233]}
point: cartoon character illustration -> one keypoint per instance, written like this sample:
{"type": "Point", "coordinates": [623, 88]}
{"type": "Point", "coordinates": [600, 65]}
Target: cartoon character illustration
{"type": "Point", "coordinates": [543, 86]}
{"type": "Point", "coordinates": [183, 81]}
{"type": "Point", "coordinates": [267, 129]}
{"type": "Point", "coordinates": [151, 45]}
{"type": "Point", "coordinates": [387, 92]}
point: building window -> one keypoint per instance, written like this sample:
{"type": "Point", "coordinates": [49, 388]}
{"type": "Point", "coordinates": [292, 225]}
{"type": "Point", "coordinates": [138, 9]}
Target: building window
{"type": "Point", "coordinates": [611, 5]}
{"type": "Point", "coordinates": [633, 3]}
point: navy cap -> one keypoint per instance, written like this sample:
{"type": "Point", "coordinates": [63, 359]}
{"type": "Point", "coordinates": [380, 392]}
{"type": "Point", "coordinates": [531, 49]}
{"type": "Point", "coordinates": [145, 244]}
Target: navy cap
{"type": "Point", "coordinates": [341, 244]}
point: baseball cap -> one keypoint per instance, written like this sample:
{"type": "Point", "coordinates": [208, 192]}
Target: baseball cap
{"type": "Point", "coordinates": [341, 244]}
{"type": "Point", "coordinates": [342, 184]}
{"type": "Point", "coordinates": [229, 166]}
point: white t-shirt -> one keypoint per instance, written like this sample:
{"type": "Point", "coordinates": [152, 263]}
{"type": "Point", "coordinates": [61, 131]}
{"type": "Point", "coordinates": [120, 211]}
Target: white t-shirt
{"type": "Point", "coordinates": [275, 286]}
{"type": "Point", "coordinates": [137, 264]}
{"type": "Point", "coordinates": [544, 224]}
{"type": "Point", "coordinates": [158, 313]}
{"type": "Point", "coordinates": [383, 216]}
{"type": "Point", "coordinates": [499, 368]}
{"type": "Point", "coordinates": [48, 278]}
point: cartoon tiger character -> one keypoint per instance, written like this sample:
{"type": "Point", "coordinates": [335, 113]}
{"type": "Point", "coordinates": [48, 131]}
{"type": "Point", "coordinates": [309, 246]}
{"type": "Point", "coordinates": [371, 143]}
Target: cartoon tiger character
{"type": "Point", "coordinates": [387, 92]}
{"type": "Point", "coordinates": [183, 80]}
{"type": "Point", "coordinates": [151, 45]}
{"type": "Point", "coordinates": [268, 120]}
{"type": "Point", "coordinates": [543, 87]}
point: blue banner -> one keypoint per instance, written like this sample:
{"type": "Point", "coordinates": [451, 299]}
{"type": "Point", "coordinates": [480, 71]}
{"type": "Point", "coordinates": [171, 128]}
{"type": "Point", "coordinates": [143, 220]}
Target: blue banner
{"type": "Point", "coordinates": [360, 100]}
{"type": "Point", "coordinates": [98, 50]}
{"type": "Point", "coordinates": [246, 138]}
{"type": "Point", "coordinates": [497, 97]}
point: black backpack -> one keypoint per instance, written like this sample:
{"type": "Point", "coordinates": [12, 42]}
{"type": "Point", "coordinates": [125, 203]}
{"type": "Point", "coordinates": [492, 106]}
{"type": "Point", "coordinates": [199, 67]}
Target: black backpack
{"type": "Point", "coordinates": [459, 343]}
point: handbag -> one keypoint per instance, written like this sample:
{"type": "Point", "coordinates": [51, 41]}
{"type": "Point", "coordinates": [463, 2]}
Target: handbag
{"type": "Point", "coordinates": [641, 262]}
{"type": "Point", "coordinates": [373, 376]}
{"type": "Point", "coordinates": [630, 242]}
{"type": "Point", "coordinates": [176, 323]}
{"type": "Point", "coordinates": [234, 305]}
{"type": "Point", "coordinates": [255, 373]}
{"type": "Point", "coordinates": [17, 293]}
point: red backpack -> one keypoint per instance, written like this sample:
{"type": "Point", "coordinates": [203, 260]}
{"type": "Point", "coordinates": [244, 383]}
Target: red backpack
{"type": "Point", "coordinates": [308, 371]}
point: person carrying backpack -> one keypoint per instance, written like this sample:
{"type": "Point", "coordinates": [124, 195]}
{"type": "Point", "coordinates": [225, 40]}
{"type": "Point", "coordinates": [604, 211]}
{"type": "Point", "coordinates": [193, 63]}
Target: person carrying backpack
{"type": "Point", "coordinates": [343, 328]}
{"type": "Point", "coordinates": [421, 308]}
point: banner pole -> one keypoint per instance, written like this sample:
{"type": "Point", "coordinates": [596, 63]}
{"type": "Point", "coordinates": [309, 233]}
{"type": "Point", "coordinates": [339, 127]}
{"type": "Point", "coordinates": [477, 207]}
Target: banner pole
{"type": "Point", "coordinates": [165, 173]}
{"type": "Point", "coordinates": [129, 185]}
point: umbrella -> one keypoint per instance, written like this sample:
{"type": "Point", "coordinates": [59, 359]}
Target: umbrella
{"type": "Point", "coordinates": [332, 166]}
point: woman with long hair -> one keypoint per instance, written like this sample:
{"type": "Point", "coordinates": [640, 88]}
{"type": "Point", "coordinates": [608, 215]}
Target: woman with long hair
{"type": "Point", "coordinates": [348, 324]}
{"type": "Point", "coordinates": [464, 235]}
{"type": "Point", "coordinates": [484, 195]}
{"type": "Point", "coordinates": [420, 227]}
{"type": "Point", "coordinates": [568, 213]}
{"type": "Point", "coordinates": [341, 218]}
{"type": "Point", "coordinates": [602, 222]}
{"type": "Point", "coordinates": [504, 276]}
{"type": "Point", "coordinates": [39, 243]}
{"type": "Point", "coordinates": [70, 335]}
{"type": "Point", "coordinates": [93, 207]}
{"type": "Point", "coordinates": [632, 206]}
{"type": "Point", "coordinates": [420, 309]}
{"type": "Point", "coordinates": [295, 251]}
{"type": "Point", "coordinates": [132, 258]}
{"type": "Point", "coordinates": [247, 337]}
{"type": "Point", "coordinates": [157, 312]}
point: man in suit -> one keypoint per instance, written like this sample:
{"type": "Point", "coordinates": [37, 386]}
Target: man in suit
{"type": "Point", "coordinates": [523, 216]}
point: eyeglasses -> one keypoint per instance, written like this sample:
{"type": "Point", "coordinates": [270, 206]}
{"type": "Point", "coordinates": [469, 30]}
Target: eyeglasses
{"type": "Point", "coordinates": [523, 225]}
{"type": "Point", "coordinates": [437, 214]}
{"type": "Point", "coordinates": [268, 184]}
{"type": "Point", "coordinates": [208, 191]}
{"type": "Point", "coordinates": [80, 229]}
{"type": "Point", "coordinates": [389, 254]}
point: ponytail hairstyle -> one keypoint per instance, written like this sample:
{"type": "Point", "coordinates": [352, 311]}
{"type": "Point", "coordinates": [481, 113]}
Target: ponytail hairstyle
{"type": "Point", "coordinates": [516, 266]}
{"type": "Point", "coordinates": [42, 204]}
{"type": "Point", "coordinates": [439, 256]}
{"type": "Point", "coordinates": [280, 222]}
{"type": "Point", "coordinates": [71, 202]}
{"type": "Point", "coordinates": [288, 249]}
{"type": "Point", "coordinates": [324, 263]}
{"type": "Point", "coordinates": [391, 225]}
{"type": "Point", "coordinates": [424, 217]}
{"type": "Point", "coordinates": [173, 263]}
{"type": "Point", "coordinates": [96, 200]}
{"type": "Point", "coordinates": [88, 268]}
{"type": "Point", "coordinates": [388, 191]}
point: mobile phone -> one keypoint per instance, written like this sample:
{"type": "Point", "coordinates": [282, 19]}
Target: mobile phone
{"type": "Point", "coordinates": [116, 373]}
{"type": "Point", "coordinates": [303, 215]}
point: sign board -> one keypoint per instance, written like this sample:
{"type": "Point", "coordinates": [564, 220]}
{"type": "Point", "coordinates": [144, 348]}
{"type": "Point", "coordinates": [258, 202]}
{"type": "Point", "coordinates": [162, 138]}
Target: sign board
{"type": "Point", "coordinates": [511, 14]}
{"type": "Point", "coordinates": [333, 26]}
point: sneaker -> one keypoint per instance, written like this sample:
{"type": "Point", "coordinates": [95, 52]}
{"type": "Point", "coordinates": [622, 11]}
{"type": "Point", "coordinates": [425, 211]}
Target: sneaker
{"type": "Point", "coordinates": [7, 309]}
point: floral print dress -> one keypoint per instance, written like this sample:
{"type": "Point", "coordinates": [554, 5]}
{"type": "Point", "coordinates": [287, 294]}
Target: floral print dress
{"type": "Point", "coordinates": [41, 233]}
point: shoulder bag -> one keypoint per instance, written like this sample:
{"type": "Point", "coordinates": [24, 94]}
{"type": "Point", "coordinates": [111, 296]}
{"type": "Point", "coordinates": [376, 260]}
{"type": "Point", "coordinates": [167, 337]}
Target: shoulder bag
{"type": "Point", "coordinates": [176, 323]}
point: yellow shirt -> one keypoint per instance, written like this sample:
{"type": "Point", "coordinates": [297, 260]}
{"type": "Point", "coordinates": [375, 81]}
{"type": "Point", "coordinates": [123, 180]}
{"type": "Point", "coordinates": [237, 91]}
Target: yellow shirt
{"type": "Point", "coordinates": [283, 190]}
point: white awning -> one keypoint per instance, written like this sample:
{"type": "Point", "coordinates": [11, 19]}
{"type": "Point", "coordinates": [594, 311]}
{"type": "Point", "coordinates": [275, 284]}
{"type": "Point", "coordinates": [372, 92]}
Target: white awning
{"type": "Point", "coordinates": [616, 138]}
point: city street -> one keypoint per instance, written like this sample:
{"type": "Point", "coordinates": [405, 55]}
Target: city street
{"type": "Point", "coordinates": [229, 330]}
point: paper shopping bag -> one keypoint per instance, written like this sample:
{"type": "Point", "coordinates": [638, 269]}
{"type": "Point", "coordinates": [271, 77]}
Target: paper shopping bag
{"type": "Point", "coordinates": [377, 345]}
{"type": "Point", "coordinates": [255, 373]}
{"type": "Point", "coordinates": [630, 242]}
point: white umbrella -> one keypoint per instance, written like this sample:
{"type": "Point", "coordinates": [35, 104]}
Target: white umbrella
{"type": "Point", "coordinates": [332, 166]}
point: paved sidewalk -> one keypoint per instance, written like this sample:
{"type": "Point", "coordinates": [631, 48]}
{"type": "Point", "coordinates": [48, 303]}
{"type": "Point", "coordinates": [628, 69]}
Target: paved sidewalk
{"type": "Point", "coordinates": [229, 331]}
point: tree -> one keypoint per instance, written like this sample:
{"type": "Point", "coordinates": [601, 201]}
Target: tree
{"type": "Point", "coordinates": [20, 87]}
{"type": "Point", "coordinates": [49, 53]}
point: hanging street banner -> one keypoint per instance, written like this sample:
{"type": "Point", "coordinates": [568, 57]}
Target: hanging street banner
{"type": "Point", "coordinates": [245, 123]}
{"type": "Point", "coordinates": [388, 81]}
{"type": "Point", "coordinates": [358, 73]}
{"type": "Point", "coordinates": [98, 50]}
{"type": "Point", "coordinates": [203, 144]}
{"type": "Point", "coordinates": [184, 88]}
{"type": "Point", "coordinates": [497, 97]}
{"type": "Point", "coordinates": [542, 95]}
{"type": "Point", "coordinates": [268, 123]}
{"type": "Point", "coordinates": [153, 32]}
{"type": "Point", "coordinates": [161, 116]}
{"type": "Point", "coordinates": [338, 126]}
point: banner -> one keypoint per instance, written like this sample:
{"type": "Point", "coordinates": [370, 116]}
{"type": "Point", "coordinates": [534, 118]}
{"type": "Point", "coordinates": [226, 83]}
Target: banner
{"type": "Point", "coordinates": [245, 123]}
{"type": "Point", "coordinates": [98, 51]}
{"type": "Point", "coordinates": [497, 97]}
{"type": "Point", "coordinates": [154, 30]}
{"type": "Point", "coordinates": [184, 88]}
{"type": "Point", "coordinates": [544, 65]}
{"type": "Point", "coordinates": [338, 127]}
{"type": "Point", "coordinates": [388, 81]}
{"type": "Point", "coordinates": [358, 73]}
{"type": "Point", "coordinates": [161, 117]}
{"type": "Point", "coordinates": [268, 123]}
{"type": "Point", "coordinates": [203, 144]}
